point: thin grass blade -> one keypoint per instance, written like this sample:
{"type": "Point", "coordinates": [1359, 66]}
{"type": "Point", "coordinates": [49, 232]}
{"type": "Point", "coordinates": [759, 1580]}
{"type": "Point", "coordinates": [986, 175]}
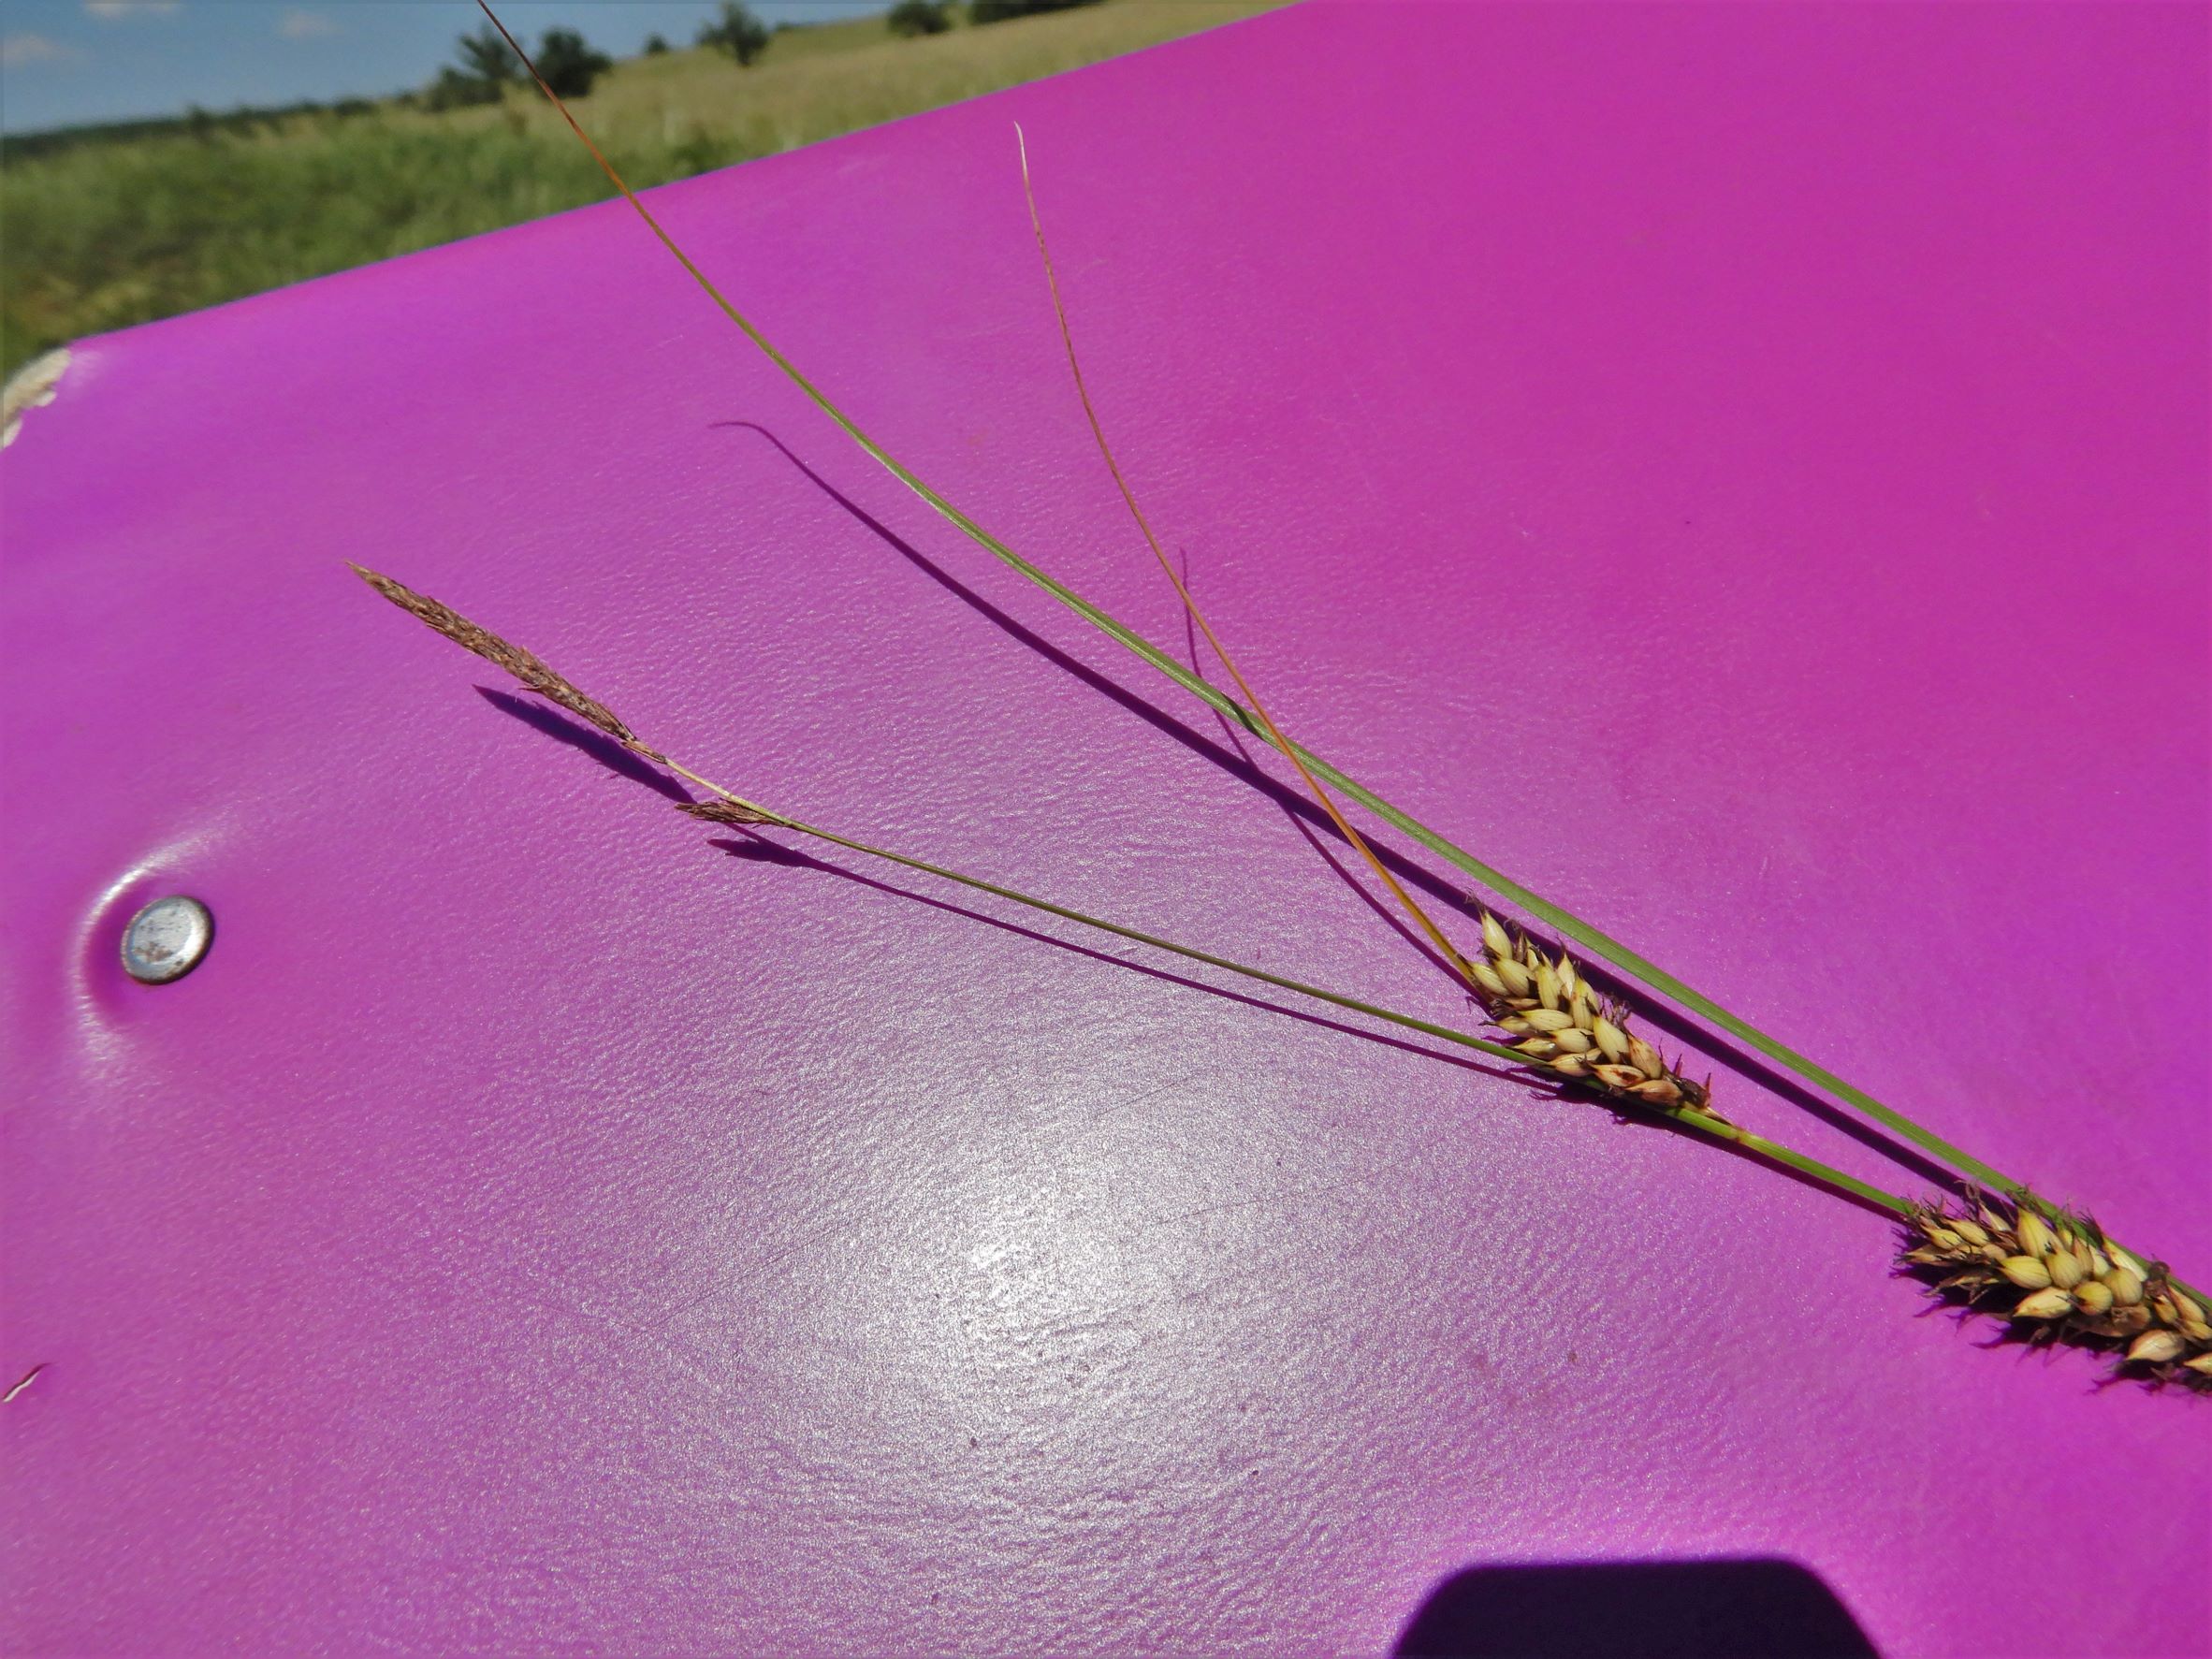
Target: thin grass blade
{"type": "Point", "coordinates": [1591, 939]}
{"type": "Point", "coordinates": [1273, 731]}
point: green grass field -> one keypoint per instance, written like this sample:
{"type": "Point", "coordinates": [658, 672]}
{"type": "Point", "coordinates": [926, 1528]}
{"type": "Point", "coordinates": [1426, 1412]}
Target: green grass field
{"type": "Point", "coordinates": [106, 233]}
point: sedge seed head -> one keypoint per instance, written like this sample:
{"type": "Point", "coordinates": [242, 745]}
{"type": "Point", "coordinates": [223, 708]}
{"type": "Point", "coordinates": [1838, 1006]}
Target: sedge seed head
{"type": "Point", "coordinates": [722, 812]}
{"type": "Point", "coordinates": [2074, 1289]}
{"type": "Point", "coordinates": [533, 671]}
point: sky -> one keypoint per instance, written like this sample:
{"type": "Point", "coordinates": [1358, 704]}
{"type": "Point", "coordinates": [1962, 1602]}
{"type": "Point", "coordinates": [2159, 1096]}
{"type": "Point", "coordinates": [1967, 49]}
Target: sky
{"type": "Point", "coordinates": [67, 62]}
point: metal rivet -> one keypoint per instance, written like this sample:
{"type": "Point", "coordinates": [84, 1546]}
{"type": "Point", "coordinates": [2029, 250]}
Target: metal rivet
{"type": "Point", "coordinates": [166, 940]}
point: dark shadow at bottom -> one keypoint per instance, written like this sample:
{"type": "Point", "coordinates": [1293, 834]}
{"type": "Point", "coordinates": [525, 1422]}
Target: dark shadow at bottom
{"type": "Point", "coordinates": [1635, 1610]}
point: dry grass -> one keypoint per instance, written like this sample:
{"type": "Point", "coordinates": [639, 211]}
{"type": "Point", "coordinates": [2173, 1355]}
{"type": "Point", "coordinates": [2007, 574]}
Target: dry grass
{"type": "Point", "coordinates": [527, 666]}
{"type": "Point", "coordinates": [819, 83]}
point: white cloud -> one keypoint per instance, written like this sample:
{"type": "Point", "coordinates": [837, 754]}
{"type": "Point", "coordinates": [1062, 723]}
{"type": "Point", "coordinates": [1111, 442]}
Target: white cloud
{"type": "Point", "coordinates": [108, 10]}
{"type": "Point", "coordinates": [19, 50]}
{"type": "Point", "coordinates": [296, 25]}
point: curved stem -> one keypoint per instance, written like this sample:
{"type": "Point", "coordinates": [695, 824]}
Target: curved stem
{"type": "Point", "coordinates": [1274, 732]}
{"type": "Point", "coordinates": [1598, 943]}
{"type": "Point", "coordinates": [1712, 1128]}
{"type": "Point", "coordinates": [1591, 939]}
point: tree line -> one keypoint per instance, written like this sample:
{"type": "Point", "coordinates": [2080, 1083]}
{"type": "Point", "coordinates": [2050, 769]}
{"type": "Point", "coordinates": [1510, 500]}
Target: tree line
{"type": "Point", "coordinates": [484, 68]}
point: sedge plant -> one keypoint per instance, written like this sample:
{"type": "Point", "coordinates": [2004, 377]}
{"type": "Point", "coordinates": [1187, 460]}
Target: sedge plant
{"type": "Point", "coordinates": [1996, 1253]}
{"type": "Point", "coordinates": [1998, 1204]}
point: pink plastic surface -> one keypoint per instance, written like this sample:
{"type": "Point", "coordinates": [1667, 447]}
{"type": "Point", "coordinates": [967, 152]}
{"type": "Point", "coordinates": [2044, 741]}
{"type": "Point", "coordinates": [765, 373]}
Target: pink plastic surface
{"type": "Point", "coordinates": [1741, 470]}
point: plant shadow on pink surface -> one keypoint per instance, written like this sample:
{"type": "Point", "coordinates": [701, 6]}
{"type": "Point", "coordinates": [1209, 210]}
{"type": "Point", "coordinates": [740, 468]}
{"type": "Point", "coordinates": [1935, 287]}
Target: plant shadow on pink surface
{"type": "Point", "coordinates": [1655, 1609]}
{"type": "Point", "coordinates": [758, 849]}
{"type": "Point", "coordinates": [545, 718]}
{"type": "Point", "coordinates": [1314, 824]}
{"type": "Point", "coordinates": [1305, 820]}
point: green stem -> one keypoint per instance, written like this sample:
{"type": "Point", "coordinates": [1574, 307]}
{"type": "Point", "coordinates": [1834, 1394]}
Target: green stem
{"type": "Point", "coordinates": [1589, 938]}
{"type": "Point", "coordinates": [1598, 943]}
{"type": "Point", "coordinates": [1703, 1123]}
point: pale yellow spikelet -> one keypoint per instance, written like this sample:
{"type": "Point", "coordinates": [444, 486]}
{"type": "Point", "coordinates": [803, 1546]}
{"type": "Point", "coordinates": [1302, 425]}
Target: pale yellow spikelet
{"type": "Point", "coordinates": [2035, 1238]}
{"type": "Point", "coordinates": [2092, 1298]}
{"type": "Point", "coordinates": [2155, 1347]}
{"type": "Point", "coordinates": [2044, 1305]}
{"type": "Point", "coordinates": [2028, 1272]}
{"type": "Point", "coordinates": [1645, 1058]}
{"type": "Point", "coordinates": [2064, 1270]}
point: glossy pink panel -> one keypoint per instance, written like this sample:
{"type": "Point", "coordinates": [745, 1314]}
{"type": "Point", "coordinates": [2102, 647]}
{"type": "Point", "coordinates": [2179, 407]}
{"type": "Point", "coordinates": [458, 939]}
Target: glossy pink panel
{"type": "Point", "coordinates": [1743, 471]}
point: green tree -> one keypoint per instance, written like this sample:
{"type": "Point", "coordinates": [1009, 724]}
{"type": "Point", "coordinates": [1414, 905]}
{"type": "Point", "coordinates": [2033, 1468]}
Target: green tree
{"type": "Point", "coordinates": [998, 11]}
{"type": "Point", "coordinates": [919, 17]}
{"type": "Point", "coordinates": [655, 46]}
{"type": "Point", "coordinates": [735, 30]}
{"type": "Point", "coordinates": [455, 89]}
{"type": "Point", "coordinates": [569, 65]}
{"type": "Point", "coordinates": [484, 56]}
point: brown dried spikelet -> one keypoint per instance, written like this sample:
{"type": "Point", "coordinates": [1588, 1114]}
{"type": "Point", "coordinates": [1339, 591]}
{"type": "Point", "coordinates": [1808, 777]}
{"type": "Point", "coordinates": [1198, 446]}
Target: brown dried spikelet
{"type": "Point", "coordinates": [2060, 1280]}
{"type": "Point", "coordinates": [533, 671]}
{"type": "Point", "coordinates": [1564, 1027]}
{"type": "Point", "coordinates": [722, 812]}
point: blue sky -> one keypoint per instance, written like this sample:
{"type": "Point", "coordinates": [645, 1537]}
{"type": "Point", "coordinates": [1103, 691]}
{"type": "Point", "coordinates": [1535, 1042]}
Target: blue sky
{"type": "Point", "coordinates": [63, 62]}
